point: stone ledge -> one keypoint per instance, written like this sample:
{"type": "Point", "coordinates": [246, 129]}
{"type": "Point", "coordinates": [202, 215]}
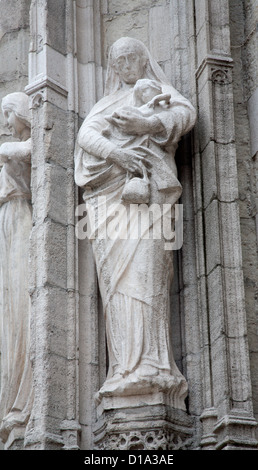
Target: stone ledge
{"type": "Point", "coordinates": [236, 432]}
{"type": "Point", "coordinates": [214, 60]}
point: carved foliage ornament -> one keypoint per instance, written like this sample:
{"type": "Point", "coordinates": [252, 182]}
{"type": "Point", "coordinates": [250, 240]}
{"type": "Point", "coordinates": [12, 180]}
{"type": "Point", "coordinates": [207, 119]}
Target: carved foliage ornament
{"type": "Point", "coordinates": [220, 76]}
{"type": "Point", "coordinates": [161, 439]}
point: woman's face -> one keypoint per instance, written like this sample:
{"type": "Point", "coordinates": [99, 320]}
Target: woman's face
{"type": "Point", "coordinates": [129, 64]}
{"type": "Point", "coordinates": [15, 125]}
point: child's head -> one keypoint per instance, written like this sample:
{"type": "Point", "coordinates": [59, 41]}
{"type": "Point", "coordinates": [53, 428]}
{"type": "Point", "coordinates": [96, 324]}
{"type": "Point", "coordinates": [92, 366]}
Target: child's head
{"type": "Point", "coordinates": [145, 90]}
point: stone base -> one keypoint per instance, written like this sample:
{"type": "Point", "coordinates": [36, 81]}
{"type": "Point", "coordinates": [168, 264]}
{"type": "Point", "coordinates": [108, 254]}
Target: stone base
{"type": "Point", "coordinates": [136, 401]}
{"type": "Point", "coordinates": [236, 433]}
{"type": "Point", "coordinates": [145, 427]}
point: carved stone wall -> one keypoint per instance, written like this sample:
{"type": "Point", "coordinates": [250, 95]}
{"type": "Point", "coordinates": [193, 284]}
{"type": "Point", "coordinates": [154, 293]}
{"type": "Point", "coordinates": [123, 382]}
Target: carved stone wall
{"type": "Point", "coordinates": [209, 52]}
{"type": "Point", "coordinates": [14, 47]}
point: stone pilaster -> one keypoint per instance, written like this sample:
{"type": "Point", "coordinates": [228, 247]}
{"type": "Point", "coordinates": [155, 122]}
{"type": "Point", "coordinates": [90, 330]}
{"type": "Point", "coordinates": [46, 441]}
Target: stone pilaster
{"type": "Point", "coordinates": [227, 416]}
{"type": "Point", "coordinates": [91, 319]}
{"type": "Point", "coordinates": [53, 288]}
{"type": "Point", "coordinates": [183, 77]}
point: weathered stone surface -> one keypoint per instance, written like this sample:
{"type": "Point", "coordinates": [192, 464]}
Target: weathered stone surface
{"type": "Point", "coordinates": [253, 119]}
{"type": "Point", "coordinates": [214, 296]}
{"type": "Point", "coordinates": [243, 18]}
{"type": "Point", "coordinates": [14, 46]}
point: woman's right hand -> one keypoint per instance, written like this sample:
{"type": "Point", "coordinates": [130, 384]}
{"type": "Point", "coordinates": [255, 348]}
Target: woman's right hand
{"type": "Point", "coordinates": [129, 160]}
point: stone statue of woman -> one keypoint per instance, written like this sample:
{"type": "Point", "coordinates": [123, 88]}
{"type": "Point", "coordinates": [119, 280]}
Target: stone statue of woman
{"type": "Point", "coordinates": [134, 274]}
{"type": "Point", "coordinates": [15, 226]}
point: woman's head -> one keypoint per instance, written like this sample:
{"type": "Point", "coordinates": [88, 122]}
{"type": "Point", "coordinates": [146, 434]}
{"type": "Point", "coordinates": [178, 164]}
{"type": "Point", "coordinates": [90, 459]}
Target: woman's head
{"type": "Point", "coordinates": [15, 108]}
{"type": "Point", "coordinates": [129, 61]}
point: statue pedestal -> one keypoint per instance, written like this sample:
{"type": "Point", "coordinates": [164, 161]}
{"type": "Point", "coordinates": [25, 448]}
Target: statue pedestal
{"type": "Point", "coordinates": [138, 423]}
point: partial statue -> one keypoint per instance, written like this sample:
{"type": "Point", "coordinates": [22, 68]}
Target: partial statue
{"type": "Point", "coordinates": [15, 226]}
{"type": "Point", "coordinates": [125, 155]}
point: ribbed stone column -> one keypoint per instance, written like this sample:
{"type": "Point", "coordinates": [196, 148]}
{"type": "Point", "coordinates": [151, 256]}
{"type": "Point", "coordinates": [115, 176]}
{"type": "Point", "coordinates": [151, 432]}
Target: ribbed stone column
{"type": "Point", "coordinates": [227, 417]}
{"type": "Point", "coordinates": [53, 288]}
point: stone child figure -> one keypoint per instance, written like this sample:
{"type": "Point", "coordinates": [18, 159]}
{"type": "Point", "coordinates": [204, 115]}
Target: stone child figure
{"type": "Point", "coordinates": [15, 227]}
{"type": "Point", "coordinates": [134, 275]}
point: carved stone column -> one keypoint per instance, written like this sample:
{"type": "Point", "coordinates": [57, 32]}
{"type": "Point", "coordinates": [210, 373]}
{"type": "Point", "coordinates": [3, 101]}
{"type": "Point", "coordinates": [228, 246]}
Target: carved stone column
{"type": "Point", "coordinates": [52, 88]}
{"type": "Point", "coordinates": [227, 416]}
